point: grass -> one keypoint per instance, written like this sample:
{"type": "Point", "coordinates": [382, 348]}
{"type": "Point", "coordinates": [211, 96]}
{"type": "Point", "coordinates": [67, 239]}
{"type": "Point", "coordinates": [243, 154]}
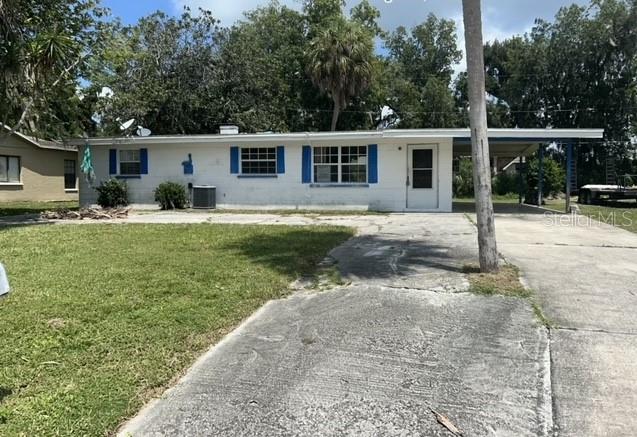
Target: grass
{"type": "Point", "coordinates": [101, 318]}
{"type": "Point", "coordinates": [18, 208]}
{"type": "Point", "coordinates": [616, 213]}
{"type": "Point", "coordinates": [507, 198]}
{"type": "Point", "coordinates": [506, 282]}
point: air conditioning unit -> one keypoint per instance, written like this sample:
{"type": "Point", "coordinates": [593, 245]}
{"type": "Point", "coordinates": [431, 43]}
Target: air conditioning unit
{"type": "Point", "coordinates": [204, 196]}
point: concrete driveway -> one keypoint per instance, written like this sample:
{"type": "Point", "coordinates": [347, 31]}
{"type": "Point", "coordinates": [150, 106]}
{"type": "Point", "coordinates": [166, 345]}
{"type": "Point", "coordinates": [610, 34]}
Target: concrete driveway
{"type": "Point", "coordinates": [585, 274]}
{"type": "Point", "coordinates": [373, 357]}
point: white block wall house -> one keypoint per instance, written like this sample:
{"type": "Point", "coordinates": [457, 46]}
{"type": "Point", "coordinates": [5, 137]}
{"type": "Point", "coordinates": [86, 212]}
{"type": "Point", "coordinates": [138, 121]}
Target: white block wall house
{"type": "Point", "coordinates": [391, 170]}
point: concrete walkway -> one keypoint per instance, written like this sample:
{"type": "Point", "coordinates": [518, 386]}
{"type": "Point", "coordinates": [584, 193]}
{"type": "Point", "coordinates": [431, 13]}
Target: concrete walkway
{"type": "Point", "coordinates": [372, 358]}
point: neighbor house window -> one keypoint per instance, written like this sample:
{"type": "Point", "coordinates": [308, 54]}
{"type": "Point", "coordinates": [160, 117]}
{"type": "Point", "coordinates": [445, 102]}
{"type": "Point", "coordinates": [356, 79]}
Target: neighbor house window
{"type": "Point", "coordinates": [345, 164]}
{"type": "Point", "coordinates": [129, 163]}
{"type": "Point", "coordinates": [70, 176]}
{"type": "Point", "coordinates": [258, 160]}
{"type": "Point", "coordinates": [9, 169]}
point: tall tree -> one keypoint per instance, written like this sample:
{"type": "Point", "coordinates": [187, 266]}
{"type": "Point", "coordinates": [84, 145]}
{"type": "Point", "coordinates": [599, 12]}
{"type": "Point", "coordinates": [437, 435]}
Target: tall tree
{"type": "Point", "coordinates": [163, 72]}
{"type": "Point", "coordinates": [420, 64]}
{"type": "Point", "coordinates": [340, 63]}
{"type": "Point", "coordinates": [44, 45]}
{"type": "Point", "coordinates": [488, 252]}
{"type": "Point", "coordinates": [579, 70]}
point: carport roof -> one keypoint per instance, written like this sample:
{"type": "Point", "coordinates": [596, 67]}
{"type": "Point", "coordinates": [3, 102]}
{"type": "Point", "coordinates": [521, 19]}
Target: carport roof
{"type": "Point", "coordinates": [518, 138]}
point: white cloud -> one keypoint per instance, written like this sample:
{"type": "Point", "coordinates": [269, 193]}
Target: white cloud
{"type": "Point", "coordinates": [501, 18]}
{"type": "Point", "coordinates": [228, 11]}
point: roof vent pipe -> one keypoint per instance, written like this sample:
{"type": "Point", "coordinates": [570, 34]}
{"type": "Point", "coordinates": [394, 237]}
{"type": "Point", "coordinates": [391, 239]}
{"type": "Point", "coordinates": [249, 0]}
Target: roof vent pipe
{"type": "Point", "coordinates": [228, 129]}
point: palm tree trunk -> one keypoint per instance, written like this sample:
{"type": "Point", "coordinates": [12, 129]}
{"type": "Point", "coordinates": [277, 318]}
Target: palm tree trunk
{"type": "Point", "coordinates": [488, 251]}
{"type": "Point", "coordinates": [335, 114]}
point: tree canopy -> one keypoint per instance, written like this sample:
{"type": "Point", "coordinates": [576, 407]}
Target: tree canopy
{"type": "Point", "coordinates": [69, 68]}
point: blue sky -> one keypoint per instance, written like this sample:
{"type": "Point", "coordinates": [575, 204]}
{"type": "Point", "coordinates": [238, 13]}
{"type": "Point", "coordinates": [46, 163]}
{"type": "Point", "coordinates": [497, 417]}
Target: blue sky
{"type": "Point", "coordinates": [131, 10]}
{"type": "Point", "coordinates": [501, 17]}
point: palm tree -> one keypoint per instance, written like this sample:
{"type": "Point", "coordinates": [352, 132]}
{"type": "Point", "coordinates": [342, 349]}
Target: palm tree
{"type": "Point", "coordinates": [340, 63]}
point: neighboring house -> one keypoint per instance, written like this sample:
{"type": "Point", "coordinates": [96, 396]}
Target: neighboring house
{"type": "Point", "coordinates": [390, 170]}
{"type": "Point", "coordinates": [36, 170]}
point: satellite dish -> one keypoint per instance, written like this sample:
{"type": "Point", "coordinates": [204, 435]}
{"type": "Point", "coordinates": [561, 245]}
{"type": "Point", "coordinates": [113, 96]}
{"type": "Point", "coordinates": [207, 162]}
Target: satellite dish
{"type": "Point", "coordinates": [126, 124]}
{"type": "Point", "coordinates": [142, 131]}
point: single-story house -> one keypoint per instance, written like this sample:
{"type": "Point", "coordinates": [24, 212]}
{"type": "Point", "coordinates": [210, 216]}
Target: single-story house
{"type": "Point", "coordinates": [388, 170]}
{"type": "Point", "coordinates": [36, 170]}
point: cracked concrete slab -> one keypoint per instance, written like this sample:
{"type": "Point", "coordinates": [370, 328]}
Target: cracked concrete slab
{"type": "Point", "coordinates": [594, 383]}
{"type": "Point", "coordinates": [371, 358]}
{"type": "Point", "coordinates": [584, 274]}
{"type": "Point", "coordinates": [366, 360]}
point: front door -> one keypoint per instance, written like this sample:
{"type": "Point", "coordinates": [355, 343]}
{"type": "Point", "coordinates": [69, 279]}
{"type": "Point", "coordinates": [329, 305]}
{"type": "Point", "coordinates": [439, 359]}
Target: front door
{"type": "Point", "coordinates": [422, 177]}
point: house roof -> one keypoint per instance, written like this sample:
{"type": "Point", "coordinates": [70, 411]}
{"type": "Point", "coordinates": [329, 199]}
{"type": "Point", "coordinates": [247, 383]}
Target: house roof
{"type": "Point", "coordinates": [42, 144]}
{"type": "Point", "coordinates": [460, 136]}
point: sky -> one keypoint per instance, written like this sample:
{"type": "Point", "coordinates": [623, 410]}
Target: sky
{"type": "Point", "coordinates": [501, 18]}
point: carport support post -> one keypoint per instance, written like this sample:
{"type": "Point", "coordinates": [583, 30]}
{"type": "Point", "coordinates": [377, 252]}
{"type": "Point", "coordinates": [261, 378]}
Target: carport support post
{"type": "Point", "coordinates": [540, 175]}
{"type": "Point", "coordinates": [520, 181]}
{"type": "Point", "coordinates": [569, 174]}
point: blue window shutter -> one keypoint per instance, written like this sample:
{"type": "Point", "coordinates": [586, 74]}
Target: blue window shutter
{"type": "Point", "coordinates": [280, 159]}
{"type": "Point", "coordinates": [306, 167]}
{"type": "Point", "coordinates": [234, 160]}
{"type": "Point", "coordinates": [112, 161]}
{"type": "Point", "coordinates": [372, 165]}
{"type": "Point", "coordinates": [143, 161]}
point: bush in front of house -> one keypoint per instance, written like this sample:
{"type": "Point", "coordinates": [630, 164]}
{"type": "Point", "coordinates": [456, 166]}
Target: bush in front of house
{"type": "Point", "coordinates": [171, 195]}
{"type": "Point", "coordinates": [112, 193]}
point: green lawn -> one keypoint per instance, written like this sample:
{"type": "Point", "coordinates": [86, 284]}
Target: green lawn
{"type": "Point", "coordinates": [507, 198]}
{"type": "Point", "coordinates": [622, 214]}
{"type": "Point", "coordinates": [17, 208]}
{"type": "Point", "coordinates": [103, 317]}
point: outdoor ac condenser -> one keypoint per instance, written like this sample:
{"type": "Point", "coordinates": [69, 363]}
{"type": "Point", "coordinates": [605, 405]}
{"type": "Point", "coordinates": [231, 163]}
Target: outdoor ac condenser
{"type": "Point", "coordinates": [204, 196]}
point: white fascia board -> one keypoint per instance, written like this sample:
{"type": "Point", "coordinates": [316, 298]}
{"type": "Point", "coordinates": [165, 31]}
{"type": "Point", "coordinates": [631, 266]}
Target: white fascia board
{"type": "Point", "coordinates": [415, 134]}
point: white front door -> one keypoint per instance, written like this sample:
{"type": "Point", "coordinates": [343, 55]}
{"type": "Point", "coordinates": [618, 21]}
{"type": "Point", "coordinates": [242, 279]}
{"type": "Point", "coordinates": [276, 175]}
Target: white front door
{"type": "Point", "coordinates": [422, 177]}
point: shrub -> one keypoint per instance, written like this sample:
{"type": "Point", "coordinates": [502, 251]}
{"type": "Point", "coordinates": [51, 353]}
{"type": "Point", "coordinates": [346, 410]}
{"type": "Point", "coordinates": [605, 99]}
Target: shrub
{"type": "Point", "coordinates": [506, 183]}
{"type": "Point", "coordinates": [463, 179]}
{"type": "Point", "coordinates": [171, 195]}
{"type": "Point", "coordinates": [112, 193]}
{"type": "Point", "coordinates": [554, 179]}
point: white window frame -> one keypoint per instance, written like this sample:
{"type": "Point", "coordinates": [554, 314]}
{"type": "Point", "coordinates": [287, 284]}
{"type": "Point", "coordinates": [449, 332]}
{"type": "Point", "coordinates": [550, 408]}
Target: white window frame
{"type": "Point", "coordinates": [128, 161]}
{"type": "Point", "coordinates": [241, 170]}
{"type": "Point", "coordinates": [340, 165]}
{"type": "Point", "coordinates": [7, 159]}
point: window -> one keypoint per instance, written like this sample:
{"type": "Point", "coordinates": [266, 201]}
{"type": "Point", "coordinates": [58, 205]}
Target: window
{"type": "Point", "coordinates": [258, 160]}
{"type": "Point", "coordinates": [70, 176]}
{"type": "Point", "coordinates": [129, 163]}
{"type": "Point", "coordinates": [354, 164]}
{"type": "Point", "coordinates": [423, 168]}
{"type": "Point", "coordinates": [9, 169]}
{"type": "Point", "coordinates": [347, 164]}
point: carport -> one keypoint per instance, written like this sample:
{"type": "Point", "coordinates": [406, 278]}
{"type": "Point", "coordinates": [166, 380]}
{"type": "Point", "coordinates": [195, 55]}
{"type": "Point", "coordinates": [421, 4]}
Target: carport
{"type": "Point", "coordinates": [511, 145]}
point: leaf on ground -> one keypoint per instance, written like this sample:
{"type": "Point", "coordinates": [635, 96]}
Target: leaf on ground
{"type": "Point", "coordinates": [444, 421]}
